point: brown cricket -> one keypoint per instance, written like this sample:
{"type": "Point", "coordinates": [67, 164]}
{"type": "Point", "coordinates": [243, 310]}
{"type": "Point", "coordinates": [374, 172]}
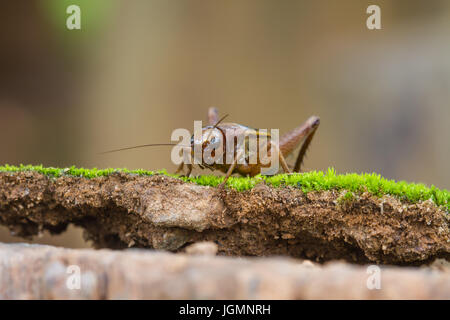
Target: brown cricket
{"type": "Point", "coordinates": [287, 144]}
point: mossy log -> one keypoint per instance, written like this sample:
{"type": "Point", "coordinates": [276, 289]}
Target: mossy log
{"type": "Point", "coordinates": [124, 210]}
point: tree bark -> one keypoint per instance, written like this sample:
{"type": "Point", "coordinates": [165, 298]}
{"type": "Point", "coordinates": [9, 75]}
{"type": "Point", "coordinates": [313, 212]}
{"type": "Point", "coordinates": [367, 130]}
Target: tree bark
{"type": "Point", "coordinates": [44, 272]}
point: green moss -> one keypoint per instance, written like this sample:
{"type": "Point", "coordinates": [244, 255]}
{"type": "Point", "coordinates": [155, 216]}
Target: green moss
{"type": "Point", "coordinates": [348, 197]}
{"type": "Point", "coordinates": [308, 181]}
{"type": "Point", "coordinates": [73, 171]}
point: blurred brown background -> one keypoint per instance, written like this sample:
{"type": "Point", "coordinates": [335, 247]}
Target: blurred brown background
{"type": "Point", "coordinates": [139, 69]}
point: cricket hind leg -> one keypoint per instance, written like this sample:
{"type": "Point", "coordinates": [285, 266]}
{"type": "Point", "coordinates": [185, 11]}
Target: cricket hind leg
{"type": "Point", "coordinates": [313, 125]}
{"type": "Point", "coordinates": [291, 139]}
{"type": "Point", "coordinates": [281, 159]}
{"type": "Point", "coordinates": [303, 150]}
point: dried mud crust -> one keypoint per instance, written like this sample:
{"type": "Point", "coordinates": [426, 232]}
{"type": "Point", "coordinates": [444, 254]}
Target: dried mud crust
{"type": "Point", "coordinates": [123, 210]}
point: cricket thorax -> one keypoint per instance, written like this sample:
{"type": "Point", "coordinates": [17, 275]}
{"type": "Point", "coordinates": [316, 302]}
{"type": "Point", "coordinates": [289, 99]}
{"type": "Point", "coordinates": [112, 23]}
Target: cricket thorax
{"type": "Point", "coordinates": [220, 146]}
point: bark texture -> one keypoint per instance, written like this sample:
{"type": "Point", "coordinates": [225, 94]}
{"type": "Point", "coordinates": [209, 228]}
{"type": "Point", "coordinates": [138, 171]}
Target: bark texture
{"type": "Point", "coordinates": [44, 272]}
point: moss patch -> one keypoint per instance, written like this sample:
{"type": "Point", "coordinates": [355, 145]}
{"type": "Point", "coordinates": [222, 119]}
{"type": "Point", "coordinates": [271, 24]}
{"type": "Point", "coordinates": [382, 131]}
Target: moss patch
{"type": "Point", "coordinates": [308, 181]}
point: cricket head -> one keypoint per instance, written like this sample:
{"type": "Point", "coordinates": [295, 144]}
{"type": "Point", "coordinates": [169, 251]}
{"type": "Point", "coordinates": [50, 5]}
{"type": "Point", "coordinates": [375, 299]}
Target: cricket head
{"type": "Point", "coordinates": [210, 142]}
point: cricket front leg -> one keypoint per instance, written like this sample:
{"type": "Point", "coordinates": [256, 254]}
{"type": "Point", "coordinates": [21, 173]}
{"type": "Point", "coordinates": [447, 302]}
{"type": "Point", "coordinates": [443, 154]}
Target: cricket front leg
{"type": "Point", "coordinates": [231, 169]}
{"type": "Point", "coordinates": [229, 173]}
{"type": "Point", "coordinates": [189, 170]}
{"type": "Point", "coordinates": [180, 168]}
{"type": "Point", "coordinates": [305, 133]}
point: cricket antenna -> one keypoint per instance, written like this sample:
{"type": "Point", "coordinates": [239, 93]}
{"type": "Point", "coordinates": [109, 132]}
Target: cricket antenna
{"type": "Point", "coordinates": [158, 144]}
{"type": "Point", "coordinates": [141, 146]}
{"type": "Point", "coordinates": [215, 126]}
{"type": "Point", "coordinates": [218, 122]}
